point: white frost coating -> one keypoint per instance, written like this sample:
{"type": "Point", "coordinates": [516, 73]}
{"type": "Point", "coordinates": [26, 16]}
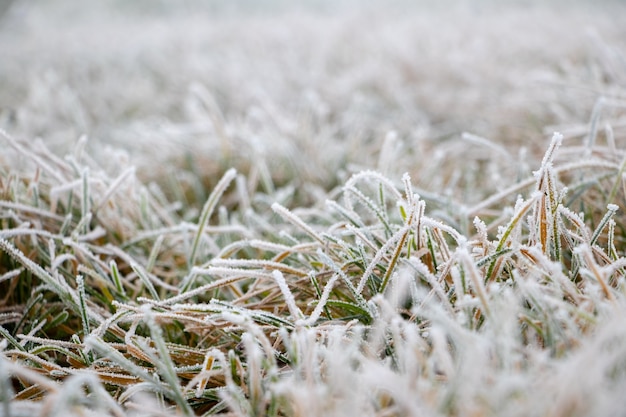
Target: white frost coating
{"type": "Point", "coordinates": [208, 209]}
{"type": "Point", "coordinates": [286, 214]}
{"type": "Point", "coordinates": [382, 252]}
{"type": "Point", "coordinates": [231, 97]}
{"type": "Point", "coordinates": [317, 311]}
{"type": "Point", "coordinates": [295, 312]}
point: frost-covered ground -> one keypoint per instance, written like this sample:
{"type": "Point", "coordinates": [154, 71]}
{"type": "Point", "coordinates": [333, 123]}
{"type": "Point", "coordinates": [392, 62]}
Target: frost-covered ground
{"type": "Point", "coordinates": [329, 208]}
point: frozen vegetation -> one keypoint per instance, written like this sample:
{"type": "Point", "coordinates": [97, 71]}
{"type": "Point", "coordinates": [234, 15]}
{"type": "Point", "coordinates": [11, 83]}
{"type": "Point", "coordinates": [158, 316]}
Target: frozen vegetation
{"type": "Point", "coordinates": [373, 208]}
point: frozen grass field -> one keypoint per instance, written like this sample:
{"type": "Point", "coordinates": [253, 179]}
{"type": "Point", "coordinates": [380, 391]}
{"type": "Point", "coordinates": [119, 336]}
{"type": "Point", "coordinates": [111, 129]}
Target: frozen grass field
{"type": "Point", "coordinates": [332, 209]}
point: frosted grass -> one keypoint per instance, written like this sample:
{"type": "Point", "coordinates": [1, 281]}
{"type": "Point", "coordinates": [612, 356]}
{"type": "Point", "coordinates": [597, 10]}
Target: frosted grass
{"type": "Point", "coordinates": [338, 211]}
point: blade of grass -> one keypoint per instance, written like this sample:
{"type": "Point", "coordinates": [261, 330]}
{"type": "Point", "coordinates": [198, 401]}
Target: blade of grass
{"type": "Point", "coordinates": [205, 215]}
{"type": "Point", "coordinates": [165, 364]}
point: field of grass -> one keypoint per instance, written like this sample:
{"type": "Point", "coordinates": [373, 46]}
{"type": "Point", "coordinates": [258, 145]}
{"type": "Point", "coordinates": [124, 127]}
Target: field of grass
{"type": "Point", "coordinates": [332, 209]}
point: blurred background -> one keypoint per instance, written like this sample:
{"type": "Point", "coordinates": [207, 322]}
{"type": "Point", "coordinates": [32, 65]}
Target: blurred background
{"type": "Point", "coordinates": [311, 90]}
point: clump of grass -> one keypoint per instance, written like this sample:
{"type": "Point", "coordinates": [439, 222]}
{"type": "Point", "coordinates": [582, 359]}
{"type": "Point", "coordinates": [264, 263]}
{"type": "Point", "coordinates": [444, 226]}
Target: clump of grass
{"type": "Point", "coordinates": [370, 306]}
